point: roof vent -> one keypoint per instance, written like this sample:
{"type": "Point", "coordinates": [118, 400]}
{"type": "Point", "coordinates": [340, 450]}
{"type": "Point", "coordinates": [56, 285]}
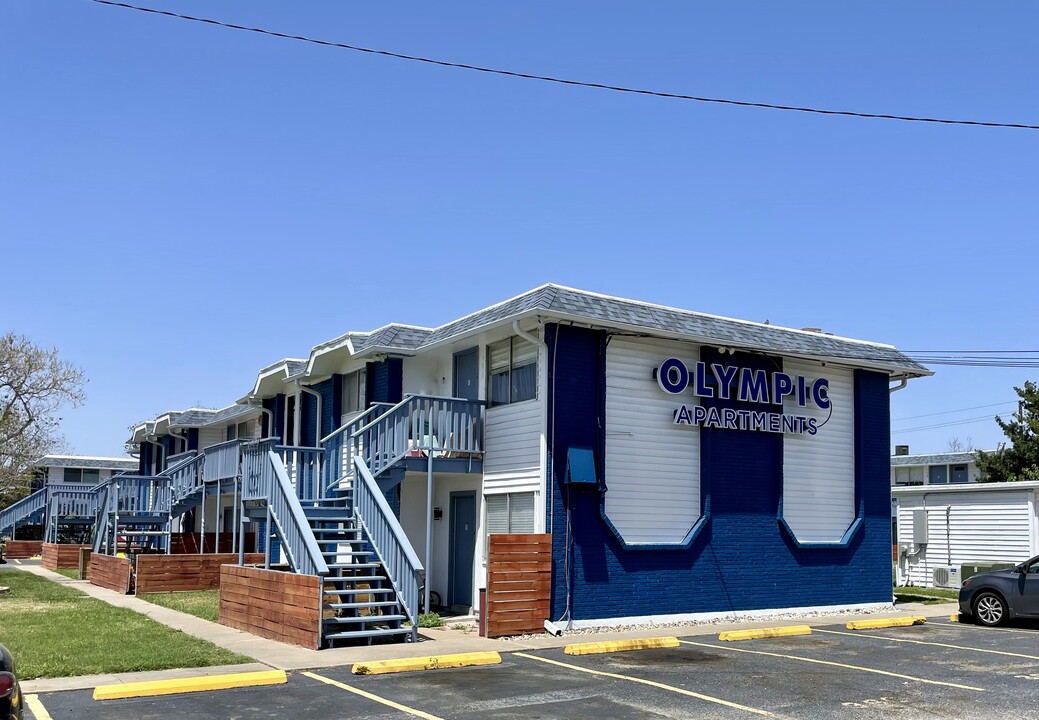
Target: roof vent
{"type": "Point", "coordinates": [812, 329]}
{"type": "Point", "coordinates": [901, 449]}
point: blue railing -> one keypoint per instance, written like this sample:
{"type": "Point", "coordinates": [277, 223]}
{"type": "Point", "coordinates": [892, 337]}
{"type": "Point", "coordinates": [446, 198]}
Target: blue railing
{"type": "Point", "coordinates": [139, 495]}
{"type": "Point", "coordinates": [420, 424]}
{"type": "Point", "coordinates": [223, 461]}
{"type": "Point", "coordinates": [80, 503]}
{"type": "Point", "coordinates": [264, 478]}
{"type": "Point", "coordinates": [101, 521]}
{"type": "Point", "coordinates": [24, 508]}
{"type": "Point", "coordinates": [337, 460]}
{"type": "Point", "coordinates": [387, 538]}
{"type": "Point", "coordinates": [303, 466]}
{"type": "Point", "coordinates": [185, 475]}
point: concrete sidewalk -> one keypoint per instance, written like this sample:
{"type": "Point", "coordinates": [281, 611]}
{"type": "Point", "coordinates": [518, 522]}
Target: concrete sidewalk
{"type": "Point", "coordinates": [447, 640]}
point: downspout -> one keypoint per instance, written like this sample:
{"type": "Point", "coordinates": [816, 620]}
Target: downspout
{"type": "Point", "coordinates": [901, 384]}
{"type": "Point", "coordinates": [317, 395]}
{"type": "Point", "coordinates": [258, 404]}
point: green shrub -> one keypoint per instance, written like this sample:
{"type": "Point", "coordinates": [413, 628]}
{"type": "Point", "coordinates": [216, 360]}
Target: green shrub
{"type": "Point", "coordinates": [430, 620]}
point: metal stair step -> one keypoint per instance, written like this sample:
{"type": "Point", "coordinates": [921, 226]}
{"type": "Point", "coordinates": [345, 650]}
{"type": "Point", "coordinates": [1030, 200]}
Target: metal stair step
{"type": "Point", "coordinates": [358, 591]}
{"type": "Point", "coordinates": [364, 619]}
{"type": "Point", "coordinates": [352, 566]}
{"type": "Point", "coordinates": [353, 553]}
{"type": "Point", "coordinates": [328, 518]}
{"type": "Point", "coordinates": [358, 605]}
{"type": "Point", "coordinates": [368, 633]}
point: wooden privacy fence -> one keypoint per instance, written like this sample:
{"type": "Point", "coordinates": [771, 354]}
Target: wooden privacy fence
{"type": "Point", "coordinates": [186, 543]}
{"type": "Point", "coordinates": [60, 556]}
{"type": "Point", "coordinates": [519, 584]}
{"type": "Point", "coordinates": [110, 572]}
{"type": "Point", "coordinates": [23, 548]}
{"type": "Point", "coordinates": [175, 573]}
{"type": "Point", "coordinates": [276, 605]}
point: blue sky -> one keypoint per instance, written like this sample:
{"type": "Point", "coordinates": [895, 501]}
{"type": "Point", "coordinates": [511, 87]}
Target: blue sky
{"type": "Point", "coordinates": [181, 204]}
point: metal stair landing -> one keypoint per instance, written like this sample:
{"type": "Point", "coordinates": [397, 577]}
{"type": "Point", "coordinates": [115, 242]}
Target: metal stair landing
{"type": "Point", "coordinates": [359, 603]}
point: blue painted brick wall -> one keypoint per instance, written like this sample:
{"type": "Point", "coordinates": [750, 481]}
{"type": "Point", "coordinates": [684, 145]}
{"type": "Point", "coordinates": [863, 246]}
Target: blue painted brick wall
{"type": "Point", "coordinates": [741, 560]}
{"type": "Point", "coordinates": [385, 381]}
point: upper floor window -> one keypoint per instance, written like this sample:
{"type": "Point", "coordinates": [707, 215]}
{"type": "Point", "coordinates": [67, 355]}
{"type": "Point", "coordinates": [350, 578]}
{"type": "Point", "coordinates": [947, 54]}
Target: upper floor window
{"type": "Point", "coordinates": [512, 371]}
{"type": "Point", "coordinates": [75, 475]}
{"type": "Point", "coordinates": [353, 392]}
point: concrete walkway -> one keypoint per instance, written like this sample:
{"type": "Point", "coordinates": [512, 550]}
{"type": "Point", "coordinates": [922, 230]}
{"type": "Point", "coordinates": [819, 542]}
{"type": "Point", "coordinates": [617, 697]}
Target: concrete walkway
{"type": "Point", "coordinates": [457, 636]}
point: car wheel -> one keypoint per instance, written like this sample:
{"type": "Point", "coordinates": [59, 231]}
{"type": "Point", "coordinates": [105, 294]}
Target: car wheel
{"type": "Point", "coordinates": [990, 609]}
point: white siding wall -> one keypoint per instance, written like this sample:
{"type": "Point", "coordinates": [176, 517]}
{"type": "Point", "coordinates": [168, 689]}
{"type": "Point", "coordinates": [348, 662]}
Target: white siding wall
{"type": "Point", "coordinates": [652, 465]}
{"type": "Point", "coordinates": [981, 526]}
{"type": "Point", "coordinates": [514, 438]}
{"type": "Point", "coordinates": [209, 436]}
{"type": "Point", "coordinates": [55, 474]}
{"type": "Point", "coordinates": [819, 470]}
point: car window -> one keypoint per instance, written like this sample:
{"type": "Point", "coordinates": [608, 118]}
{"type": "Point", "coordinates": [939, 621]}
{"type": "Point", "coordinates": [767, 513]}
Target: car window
{"type": "Point", "coordinates": [1033, 569]}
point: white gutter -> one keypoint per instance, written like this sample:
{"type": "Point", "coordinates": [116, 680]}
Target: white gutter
{"type": "Point", "coordinates": [316, 394]}
{"type": "Point", "coordinates": [901, 384]}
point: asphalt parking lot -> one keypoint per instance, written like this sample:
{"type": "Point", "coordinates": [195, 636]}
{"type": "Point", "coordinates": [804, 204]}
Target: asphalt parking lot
{"type": "Point", "coordinates": [937, 670]}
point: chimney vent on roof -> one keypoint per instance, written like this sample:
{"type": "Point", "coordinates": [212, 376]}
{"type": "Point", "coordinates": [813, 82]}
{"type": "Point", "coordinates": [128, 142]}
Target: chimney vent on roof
{"type": "Point", "coordinates": [901, 449]}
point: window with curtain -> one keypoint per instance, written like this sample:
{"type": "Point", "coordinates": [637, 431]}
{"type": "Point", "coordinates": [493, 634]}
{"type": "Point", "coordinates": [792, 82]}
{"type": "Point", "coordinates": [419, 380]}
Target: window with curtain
{"type": "Point", "coordinates": [512, 371]}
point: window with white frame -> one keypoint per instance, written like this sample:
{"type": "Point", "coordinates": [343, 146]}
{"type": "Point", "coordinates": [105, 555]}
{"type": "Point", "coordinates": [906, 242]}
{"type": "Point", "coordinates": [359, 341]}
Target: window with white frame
{"type": "Point", "coordinates": [512, 371]}
{"type": "Point", "coordinates": [82, 475]}
{"type": "Point", "coordinates": [509, 513]}
{"type": "Point", "coordinates": [353, 392]}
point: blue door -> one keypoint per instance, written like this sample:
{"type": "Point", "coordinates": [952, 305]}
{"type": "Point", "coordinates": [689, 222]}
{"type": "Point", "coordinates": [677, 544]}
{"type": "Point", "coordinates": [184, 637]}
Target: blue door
{"type": "Point", "coordinates": [467, 374]}
{"type": "Point", "coordinates": [462, 548]}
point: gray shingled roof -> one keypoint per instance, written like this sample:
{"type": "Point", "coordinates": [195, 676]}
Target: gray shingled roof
{"type": "Point", "coordinates": [195, 417]}
{"type": "Point", "coordinates": [229, 413]}
{"type": "Point", "coordinates": [295, 367]}
{"type": "Point", "coordinates": [79, 461]}
{"type": "Point", "coordinates": [953, 458]}
{"type": "Point", "coordinates": [557, 300]}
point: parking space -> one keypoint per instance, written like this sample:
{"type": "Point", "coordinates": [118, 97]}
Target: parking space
{"type": "Point", "coordinates": [940, 669]}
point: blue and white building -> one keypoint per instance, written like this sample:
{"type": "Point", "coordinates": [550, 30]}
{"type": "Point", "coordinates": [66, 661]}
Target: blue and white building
{"type": "Point", "coordinates": [685, 465]}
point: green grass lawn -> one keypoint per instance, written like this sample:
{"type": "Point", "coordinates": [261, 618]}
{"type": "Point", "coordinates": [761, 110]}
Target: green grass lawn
{"type": "Point", "coordinates": [57, 631]}
{"type": "Point", "coordinates": [72, 573]}
{"type": "Point", "coordinates": [928, 596]}
{"type": "Point", "coordinates": [200, 603]}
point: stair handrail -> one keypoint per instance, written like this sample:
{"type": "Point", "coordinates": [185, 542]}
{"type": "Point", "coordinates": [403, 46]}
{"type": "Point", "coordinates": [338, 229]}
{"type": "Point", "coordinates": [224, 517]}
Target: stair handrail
{"type": "Point", "coordinates": [384, 533]}
{"type": "Point", "coordinates": [28, 505]}
{"type": "Point", "coordinates": [80, 503]}
{"type": "Point", "coordinates": [223, 460]}
{"type": "Point", "coordinates": [420, 423]}
{"type": "Point", "coordinates": [185, 474]}
{"type": "Point", "coordinates": [303, 466]}
{"type": "Point", "coordinates": [264, 478]}
{"type": "Point", "coordinates": [335, 467]}
{"type": "Point", "coordinates": [101, 519]}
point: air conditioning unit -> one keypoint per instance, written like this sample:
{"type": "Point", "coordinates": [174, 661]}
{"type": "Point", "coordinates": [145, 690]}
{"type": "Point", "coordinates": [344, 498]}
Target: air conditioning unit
{"type": "Point", "coordinates": [946, 576]}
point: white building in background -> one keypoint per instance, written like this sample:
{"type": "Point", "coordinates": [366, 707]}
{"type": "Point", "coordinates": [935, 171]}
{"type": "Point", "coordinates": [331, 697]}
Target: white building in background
{"type": "Point", "coordinates": [944, 534]}
{"type": "Point", "coordinates": [952, 468]}
{"type": "Point", "coordinates": [80, 469]}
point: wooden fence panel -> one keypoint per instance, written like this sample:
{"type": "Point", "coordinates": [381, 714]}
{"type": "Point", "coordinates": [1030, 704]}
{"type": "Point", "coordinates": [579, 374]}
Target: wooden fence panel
{"type": "Point", "coordinates": [187, 543]}
{"type": "Point", "coordinates": [18, 549]}
{"type": "Point", "coordinates": [110, 572]}
{"type": "Point", "coordinates": [276, 605]}
{"type": "Point", "coordinates": [519, 584]}
{"type": "Point", "coordinates": [60, 556]}
{"type": "Point", "coordinates": [176, 573]}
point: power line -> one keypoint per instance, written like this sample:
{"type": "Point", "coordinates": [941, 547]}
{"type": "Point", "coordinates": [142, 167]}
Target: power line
{"type": "Point", "coordinates": [950, 412]}
{"type": "Point", "coordinates": [564, 81]}
{"type": "Point", "coordinates": [968, 421]}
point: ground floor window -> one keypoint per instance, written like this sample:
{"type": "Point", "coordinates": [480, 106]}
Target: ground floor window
{"type": "Point", "coordinates": [510, 513]}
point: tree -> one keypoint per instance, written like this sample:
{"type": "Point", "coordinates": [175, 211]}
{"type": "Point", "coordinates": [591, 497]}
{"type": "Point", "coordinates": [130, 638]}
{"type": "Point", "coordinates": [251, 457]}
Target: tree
{"type": "Point", "coordinates": [1019, 461]}
{"type": "Point", "coordinates": [957, 445]}
{"type": "Point", "coordinates": [34, 385]}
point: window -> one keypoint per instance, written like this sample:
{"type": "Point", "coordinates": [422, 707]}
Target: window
{"type": "Point", "coordinates": [353, 392]}
{"type": "Point", "coordinates": [938, 475]}
{"type": "Point", "coordinates": [79, 475]}
{"type": "Point", "coordinates": [512, 371]}
{"type": "Point", "coordinates": [510, 513]}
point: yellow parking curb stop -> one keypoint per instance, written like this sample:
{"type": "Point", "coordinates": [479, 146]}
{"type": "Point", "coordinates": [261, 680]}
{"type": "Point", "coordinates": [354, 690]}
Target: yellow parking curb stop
{"type": "Point", "coordinates": [436, 662]}
{"type": "Point", "coordinates": [186, 685]}
{"type": "Point", "coordinates": [886, 623]}
{"type": "Point", "coordinates": [772, 632]}
{"type": "Point", "coordinates": [594, 648]}
{"type": "Point", "coordinates": [955, 617]}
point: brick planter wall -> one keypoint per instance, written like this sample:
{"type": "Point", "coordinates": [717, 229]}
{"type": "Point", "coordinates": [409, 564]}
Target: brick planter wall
{"type": "Point", "coordinates": [110, 572]}
{"type": "Point", "coordinates": [275, 605]}
{"type": "Point", "coordinates": [23, 548]}
{"type": "Point", "coordinates": [60, 556]}
{"type": "Point", "coordinates": [172, 573]}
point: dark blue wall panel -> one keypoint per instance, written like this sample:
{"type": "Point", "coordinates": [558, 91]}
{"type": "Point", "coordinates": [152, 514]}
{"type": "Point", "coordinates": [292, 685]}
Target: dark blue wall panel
{"type": "Point", "coordinates": [385, 381]}
{"type": "Point", "coordinates": [741, 560]}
